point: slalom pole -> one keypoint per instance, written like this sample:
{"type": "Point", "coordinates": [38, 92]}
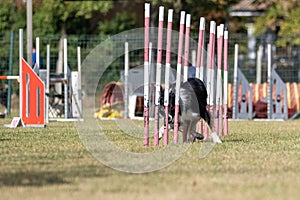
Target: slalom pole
{"type": "Point", "coordinates": [225, 85]}
{"type": "Point", "coordinates": [216, 111]}
{"type": "Point", "coordinates": [202, 24]}
{"type": "Point", "coordinates": [200, 60]}
{"type": "Point", "coordinates": [219, 96]}
{"type": "Point", "coordinates": [167, 76]}
{"type": "Point", "coordinates": [146, 74]}
{"type": "Point", "coordinates": [158, 74]}
{"type": "Point", "coordinates": [200, 51]}
{"type": "Point", "coordinates": [186, 47]}
{"type": "Point", "coordinates": [210, 71]}
{"type": "Point", "coordinates": [178, 76]}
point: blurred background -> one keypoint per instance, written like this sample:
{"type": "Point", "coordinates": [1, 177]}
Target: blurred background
{"type": "Point", "coordinates": [251, 23]}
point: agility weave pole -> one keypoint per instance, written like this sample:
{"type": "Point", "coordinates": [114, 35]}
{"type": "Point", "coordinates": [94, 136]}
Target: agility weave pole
{"type": "Point", "coordinates": [225, 85]}
{"type": "Point", "coordinates": [146, 74]}
{"type": "Point", "coordinates": [200, 50]}
{"type": "Point", "coordinates": [184, 25]}
{"type": "Point", "coordinates": [178, 76]}
{"type": "Point", "coordinates": [210, 72]}
{"type": "Point", "coordinates": [219, 95]}
{"type": "Point", "coordinates": [158, 74]}
{"type": "Point", "coordinates": [167, 76]}
{"type": "Point", "coordinates": [186, 47]}
{"type": "Point", "coordinates": [200, 60]}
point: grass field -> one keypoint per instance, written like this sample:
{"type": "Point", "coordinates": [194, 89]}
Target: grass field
{"type": "Point", "coordinates": [258, 160]}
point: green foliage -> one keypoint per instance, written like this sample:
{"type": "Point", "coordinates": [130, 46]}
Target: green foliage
{"type": "Point", "coordinates": [11, 17]}
{"type": "Point", "coordinates": [290, 28]}
{"type": "Point", "coordinates": [67, 16]}
{"type": "Point", "coordinates": [269, 19]}
{"type": "Point", "coordinates": [52, 16]}
{"type": "Point", "coordinates": [86, 8]}
{"type": "Point", "coordinates": [281, 16]}
{"type": "Point", "coordinates": [122, 21]}
{"type": "Point", "coordinates": [4, 16]}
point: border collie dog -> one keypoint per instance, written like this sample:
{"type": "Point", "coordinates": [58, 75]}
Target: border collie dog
{"type": "Point", "coordinates": [193, 107]}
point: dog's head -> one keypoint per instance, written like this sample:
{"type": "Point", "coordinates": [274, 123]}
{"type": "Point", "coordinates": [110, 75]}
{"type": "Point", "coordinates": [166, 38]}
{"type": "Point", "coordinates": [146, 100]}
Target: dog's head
{"type": "Point", "coordinates": [193, 99]}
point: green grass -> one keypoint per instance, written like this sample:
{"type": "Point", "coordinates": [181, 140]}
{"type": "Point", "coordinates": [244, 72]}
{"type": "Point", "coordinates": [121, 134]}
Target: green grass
{"type": "Point", "coordinates": [258, 160]}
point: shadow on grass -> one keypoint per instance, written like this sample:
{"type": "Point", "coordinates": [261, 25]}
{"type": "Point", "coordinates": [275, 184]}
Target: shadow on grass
{"type": "Point", "coordinates": [44, 178]}
{"type": "Point", "coordinates": [4, 139]}
{"type": "Point", "coordinates": [234, 140]}
{"type": "Point", "coordinates": [31, 179]}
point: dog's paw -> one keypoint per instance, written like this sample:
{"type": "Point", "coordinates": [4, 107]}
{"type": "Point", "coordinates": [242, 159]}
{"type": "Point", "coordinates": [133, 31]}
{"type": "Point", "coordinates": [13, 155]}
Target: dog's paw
{"type": "Point", "coordinates": [198, 136]}
{"type": "Point", "coordinates": [161, 132]}
{"type": "Point", "coordinates": [215, 138]}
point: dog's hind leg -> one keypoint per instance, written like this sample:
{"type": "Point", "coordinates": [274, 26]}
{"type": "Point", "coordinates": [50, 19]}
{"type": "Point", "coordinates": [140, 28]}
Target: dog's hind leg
{"type": "Point", "coordinates": [193, 135]}
{"type": "Point", "coordinates": [187, 130]}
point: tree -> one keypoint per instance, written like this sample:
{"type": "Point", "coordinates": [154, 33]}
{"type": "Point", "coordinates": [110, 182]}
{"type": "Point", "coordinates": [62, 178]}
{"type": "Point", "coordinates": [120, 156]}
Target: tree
{"type": "Point", "coordinates": [283, 17]}
{"type": "Point", "coordinates": [52, 16]}
{"type": "Point", "coordinates": [68, 16]}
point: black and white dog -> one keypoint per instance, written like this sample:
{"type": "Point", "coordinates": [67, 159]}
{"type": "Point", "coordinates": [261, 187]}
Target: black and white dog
{"type": "Point", "coordinates": [193, 107]}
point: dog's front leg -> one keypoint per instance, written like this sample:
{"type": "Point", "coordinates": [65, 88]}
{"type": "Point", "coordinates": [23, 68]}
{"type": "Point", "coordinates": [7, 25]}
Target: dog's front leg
{"type": "Point", "coordinates": [191, 131]}
{"type": "Point", "coordinates": [185, 128]}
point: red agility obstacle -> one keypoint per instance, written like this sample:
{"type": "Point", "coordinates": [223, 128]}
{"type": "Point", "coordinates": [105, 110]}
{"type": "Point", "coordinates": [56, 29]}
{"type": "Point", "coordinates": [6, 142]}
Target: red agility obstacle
{"type": "Point", "coordinates": [33, 97]}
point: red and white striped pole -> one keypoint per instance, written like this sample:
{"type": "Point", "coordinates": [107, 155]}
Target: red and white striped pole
{"type": "Point", "coordinates": [186, 47]}
{"type": "Point", "coordinates": [200, 59]}
{"type": "Point", "coordinates": [225, 82]}
{"type": "Point", "coordinates": [158, 74]}
{"type": "Point", "coordinates": [146, 74]}
{"type": "Point", "coordinates": [9, 77]}
{"type": "Point", "coordinates": [210, 70]}
{"type": "Point", "coordinates": [167, 76]}
{"type": "Point", "coordinates": [178, 76]}
{"type": "Point", "coordinates": [200, 51]}
{"type": "Point", "coordinates": [219, 96]}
